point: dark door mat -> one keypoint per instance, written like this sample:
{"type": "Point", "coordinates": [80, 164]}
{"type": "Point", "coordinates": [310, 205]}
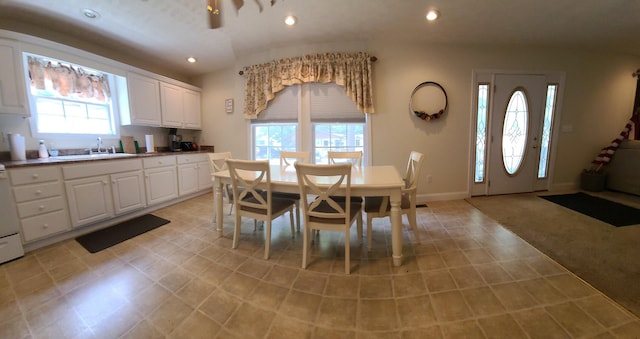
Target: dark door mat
{"type": "Point", "coordinates": [107, 237]}
{"type": "Point", "coordinates": [604, 210]}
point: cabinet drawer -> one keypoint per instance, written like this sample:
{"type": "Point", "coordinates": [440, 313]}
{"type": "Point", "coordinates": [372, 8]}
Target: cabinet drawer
{"type": "Point", "coordinates": [29, 209]}
{"type": "Point", "coordinates": [192, 158]}
{"type": "Point", "coordinates": [43, 225]}
{"type": "Point", "coordinates": [100, 168]}
{"type": "Point", "coordinates": [154, 162]}
{"type": "Point", "coordinates": [33, 192]}
{"type": "Point", "coordinates": [33, 175]}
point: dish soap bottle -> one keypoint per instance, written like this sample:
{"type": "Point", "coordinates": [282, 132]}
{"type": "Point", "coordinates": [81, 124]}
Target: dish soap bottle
{"type": "Point", "coordinates": [42, 150]}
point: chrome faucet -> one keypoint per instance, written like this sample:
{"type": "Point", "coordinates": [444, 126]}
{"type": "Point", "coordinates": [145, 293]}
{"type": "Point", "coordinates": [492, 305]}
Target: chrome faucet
{"type": "Point", "coordinates": [100, 146]}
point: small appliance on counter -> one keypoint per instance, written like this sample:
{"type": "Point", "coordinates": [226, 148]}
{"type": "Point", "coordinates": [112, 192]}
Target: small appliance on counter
{"type": "Point", "coordinates": [175, 140]}
{"type": "Point", "coordinates": [188, 146]}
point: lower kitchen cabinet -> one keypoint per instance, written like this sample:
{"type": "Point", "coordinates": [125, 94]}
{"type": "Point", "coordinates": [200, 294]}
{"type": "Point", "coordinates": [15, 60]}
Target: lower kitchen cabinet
{"type": "Point", "coordinates": [101, 190]}
{"type": "Point", "coordinates": [194, 173]}
{"type": "Point", "coordinates": [161, 179]}
{"type": "Point", "coordinates": [161, 184]}
{"type": "Point", "coordinates": [128, 192]}
{"type": "Point", "coordinates": [89, 200]}
{"type": "Point", "coordinates": [39, 196]}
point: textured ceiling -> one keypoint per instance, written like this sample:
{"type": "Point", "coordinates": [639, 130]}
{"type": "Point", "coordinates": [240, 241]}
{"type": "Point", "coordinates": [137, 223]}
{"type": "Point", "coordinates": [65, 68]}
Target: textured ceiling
{"type": "Point", "coordinates": [168, 31]}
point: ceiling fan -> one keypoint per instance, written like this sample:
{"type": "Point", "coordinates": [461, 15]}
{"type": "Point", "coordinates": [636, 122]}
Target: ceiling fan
{"type": "Point", "coordinates": [214, 7]}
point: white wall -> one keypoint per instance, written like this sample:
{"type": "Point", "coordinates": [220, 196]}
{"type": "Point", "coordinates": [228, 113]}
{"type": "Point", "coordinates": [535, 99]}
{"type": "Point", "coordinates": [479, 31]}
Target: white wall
{"type": "Point", "coordinates": [598, 101]}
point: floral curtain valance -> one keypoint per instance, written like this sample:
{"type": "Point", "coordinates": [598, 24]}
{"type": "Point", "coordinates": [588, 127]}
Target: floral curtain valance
{"type": "Point", "coordinates": [350, 70]}
{"type": "Point", "coordinates": [57, 79]}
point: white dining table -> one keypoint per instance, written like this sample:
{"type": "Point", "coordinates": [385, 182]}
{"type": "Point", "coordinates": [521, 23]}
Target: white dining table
{"type": "Point", "coordinates": [365, 181]}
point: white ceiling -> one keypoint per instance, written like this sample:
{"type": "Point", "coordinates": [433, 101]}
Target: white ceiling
{"type": "Point", "coordinates": [168, 31]}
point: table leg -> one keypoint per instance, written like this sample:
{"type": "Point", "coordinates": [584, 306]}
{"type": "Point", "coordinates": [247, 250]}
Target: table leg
{"type": "Point", "coordinates": [396, 227]}
{"type": "Point", "coordinates": [217, 210]}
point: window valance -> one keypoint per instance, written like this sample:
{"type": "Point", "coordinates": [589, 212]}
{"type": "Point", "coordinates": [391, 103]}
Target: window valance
{"type": "Point", "coordinates": [62, 80]}
{"type": "Point", "coordinates": [349, 70]}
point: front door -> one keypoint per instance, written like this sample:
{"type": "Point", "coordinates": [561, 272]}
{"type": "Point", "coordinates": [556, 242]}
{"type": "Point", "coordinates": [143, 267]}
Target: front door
{"type": "Point", "coordinates": [515, 126]}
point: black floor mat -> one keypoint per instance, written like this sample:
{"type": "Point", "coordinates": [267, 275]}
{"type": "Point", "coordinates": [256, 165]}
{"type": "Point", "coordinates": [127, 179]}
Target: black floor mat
{"type": "Point", "coordinates": [107, 237]}
{"type": "Point", "coordinates": [608, 211]}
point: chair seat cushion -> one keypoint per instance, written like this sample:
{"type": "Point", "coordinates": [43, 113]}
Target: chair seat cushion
{"type": "Point", "coordinates": [326, 208]}
{"type": "Point", "coordinates": [372, 204]}
{"type": "Point", "coordinates": [285, 195]}
{"type": "Point", "coordinates": [277, 205]}
{"type": "Point", "coordinates": [340, 198]}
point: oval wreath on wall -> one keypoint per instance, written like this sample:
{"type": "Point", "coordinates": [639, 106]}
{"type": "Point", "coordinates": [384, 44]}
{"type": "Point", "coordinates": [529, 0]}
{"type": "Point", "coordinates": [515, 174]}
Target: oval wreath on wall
{"type": "Point", "coordinates": [422, 114]}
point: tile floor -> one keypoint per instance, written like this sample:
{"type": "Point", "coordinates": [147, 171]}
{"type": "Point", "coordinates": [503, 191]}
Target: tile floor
{"type": "Point", "coordinates": [467, 277]}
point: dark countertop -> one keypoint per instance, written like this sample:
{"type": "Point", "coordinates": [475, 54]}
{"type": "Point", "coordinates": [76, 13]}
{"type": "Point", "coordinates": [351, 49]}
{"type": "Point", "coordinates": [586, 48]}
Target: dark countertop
{"type": "Point", "coordinates": [61, 159]}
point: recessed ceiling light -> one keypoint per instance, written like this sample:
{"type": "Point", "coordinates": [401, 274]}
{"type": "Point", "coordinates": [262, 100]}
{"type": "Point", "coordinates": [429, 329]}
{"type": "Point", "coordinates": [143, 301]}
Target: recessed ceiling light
{"type": "Point", "coordinates": [433, 14]}
{"type": "Point", "coordinates": [290, 20]}
{"type": "Point", "coordinates": [191, 59]}
{"type": "Point", "coordinates": [89, 13]}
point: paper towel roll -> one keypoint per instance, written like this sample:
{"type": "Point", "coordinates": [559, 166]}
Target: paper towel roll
{"type": "Point", "coordinates": [149, 142]}
{"type": "Point", "coordinates": [18, 150]}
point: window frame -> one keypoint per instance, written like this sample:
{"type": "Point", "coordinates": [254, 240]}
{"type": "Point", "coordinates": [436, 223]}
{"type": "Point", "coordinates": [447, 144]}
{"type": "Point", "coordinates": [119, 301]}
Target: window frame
{"type": "Point", "coordinates": [306, 127]}
{"type": "Point", "coordinates": [31, 99]}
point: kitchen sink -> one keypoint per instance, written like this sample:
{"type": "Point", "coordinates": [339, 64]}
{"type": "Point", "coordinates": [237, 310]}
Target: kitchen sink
{"type": "Point", "coordinates": [94, 156]}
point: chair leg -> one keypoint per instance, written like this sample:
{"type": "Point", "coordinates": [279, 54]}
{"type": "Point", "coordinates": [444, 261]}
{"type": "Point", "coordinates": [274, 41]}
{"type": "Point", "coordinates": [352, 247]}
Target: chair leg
{"type": "Point", "coordinates": [369, 232]}
{"type": "Point", "coordinates": [347, 252]}
{"type": "Point", "coordinates": [267, 242]}
{"type": "Point", "coordinates": [293, 231]}
{"type": "Point", "coordinates": [298, 214]}
{"type": "Point", "coordinates": [413, 221]}
{"type": "Point", "coordinates": [305, 245]}
{"type": "Point", "coordinates": [236, 231]}
{"type": "Point", "coordinates": [359, 228]}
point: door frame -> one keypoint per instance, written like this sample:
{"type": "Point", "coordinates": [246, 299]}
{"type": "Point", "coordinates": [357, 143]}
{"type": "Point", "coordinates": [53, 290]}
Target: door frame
{"type": "Point", "coordinates": [488, 77]}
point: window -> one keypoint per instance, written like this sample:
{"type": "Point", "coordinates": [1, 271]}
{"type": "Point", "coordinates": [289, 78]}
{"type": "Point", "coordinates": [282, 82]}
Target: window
{"type": "Point", "coordinates": [68, 99]}
{"type": "Point", "coordinates": [549, 108]}
{"type": "Point", "coordinates": [314, 117]}
{"type": "Point", "coordinates": [481, 131]}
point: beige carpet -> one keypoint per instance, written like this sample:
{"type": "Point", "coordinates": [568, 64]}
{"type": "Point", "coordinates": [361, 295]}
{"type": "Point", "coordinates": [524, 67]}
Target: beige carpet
{"type": "Point", "coordinates": [605, 256]}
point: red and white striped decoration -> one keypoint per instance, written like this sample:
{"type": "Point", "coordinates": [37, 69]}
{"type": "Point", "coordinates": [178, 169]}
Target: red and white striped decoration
{"type": "Point", "coordinates": [607, 153]}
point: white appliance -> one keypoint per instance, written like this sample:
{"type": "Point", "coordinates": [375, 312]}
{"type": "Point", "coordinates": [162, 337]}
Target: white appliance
{"type": "Point", "coordinates": [10, 242]}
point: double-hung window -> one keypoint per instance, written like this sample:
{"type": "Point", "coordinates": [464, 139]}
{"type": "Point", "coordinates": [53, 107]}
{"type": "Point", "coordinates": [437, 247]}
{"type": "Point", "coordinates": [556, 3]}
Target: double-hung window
{"type": "Point", "coordinates": [310, 117]}
{"type": "Point", "coordinates": [68, 99]}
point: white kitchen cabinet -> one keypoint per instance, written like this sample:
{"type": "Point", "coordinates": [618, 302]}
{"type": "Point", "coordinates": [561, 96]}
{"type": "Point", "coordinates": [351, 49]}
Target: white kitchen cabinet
{"type": "Point", "coordinates": [89, 200]}
{"type": "Point", "coordinates": [144, 101]}
{"type": "Point", "coordinates": [172, 107]}
{"type": "Point", "coordinates": [13, 97]}
{"type": "Point", "coordinates": [192, 109]}
{"type": "Point", "coordinates": [161, 179]}
{"type": "Point", "coordinates": [100, 190]}
{"type": "Point", "coordinates": [194, 173]}
{"type": "Point", "coordinates": [39, 196]}
{"type": "Point", "coordinates": [128, 192]}
{"type": "Point", "coordinates": [181, 107]}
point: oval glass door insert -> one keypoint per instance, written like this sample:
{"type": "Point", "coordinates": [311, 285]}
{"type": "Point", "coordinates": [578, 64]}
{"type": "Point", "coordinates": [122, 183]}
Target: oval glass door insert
{"type": "Point", "coordinates": [514, 132]}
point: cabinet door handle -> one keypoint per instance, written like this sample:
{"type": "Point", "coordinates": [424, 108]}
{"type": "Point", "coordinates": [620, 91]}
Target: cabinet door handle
{"type": "Point", "coordinates": [41, 207]}
{"type": "Point", "coordinates": [38, 192]}
{"type": "Point", "coordinates": [35, 176]}
{"type": "Point", "coordinates": [45, 226]}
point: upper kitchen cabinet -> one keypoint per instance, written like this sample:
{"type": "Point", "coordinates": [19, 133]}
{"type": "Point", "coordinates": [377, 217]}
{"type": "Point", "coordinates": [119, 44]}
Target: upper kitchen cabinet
{"type": "Point", "coordinates": [140, 105]}
{"type": "Point", "coordinates": [180, 107]}
{"type": "Point", "coordinates": [13, 99]}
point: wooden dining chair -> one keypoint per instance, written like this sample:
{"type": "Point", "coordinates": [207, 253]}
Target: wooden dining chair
{"type": "Point", "coordinates": [287, 159]}
{"type": "Point", "coordinates": [218, 162]}
{"type": "Point", "coordinates": [251, 184]}
{"type": "Point", "coordinates": [379, 207]}
{"type": "Point", "coordinates": [323, 212]}
{"type": "Point", "coordinates": [354, 158]}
